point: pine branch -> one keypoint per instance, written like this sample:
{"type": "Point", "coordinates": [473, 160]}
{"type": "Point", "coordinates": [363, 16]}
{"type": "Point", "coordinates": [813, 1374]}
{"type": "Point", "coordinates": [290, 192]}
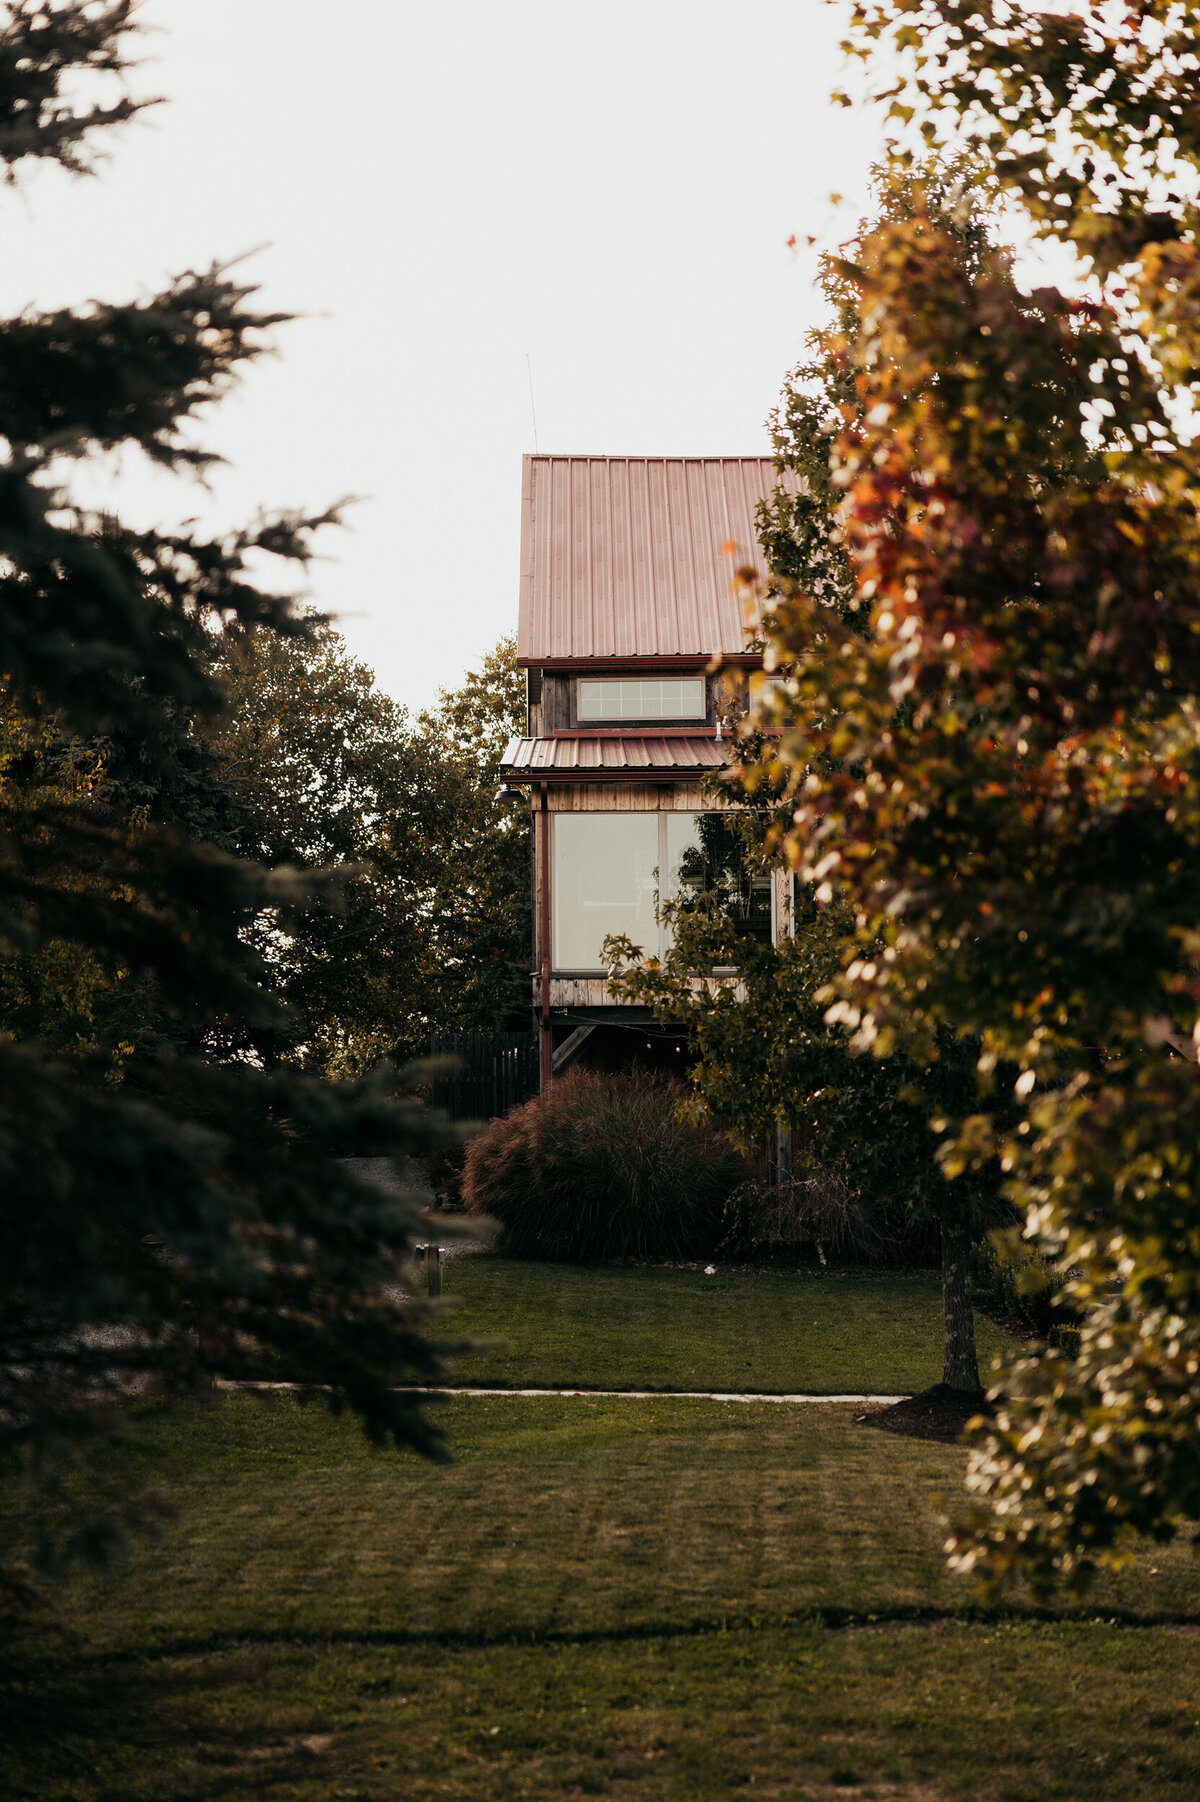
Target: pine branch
{"type": "Point", "coordinates": [44, 49]}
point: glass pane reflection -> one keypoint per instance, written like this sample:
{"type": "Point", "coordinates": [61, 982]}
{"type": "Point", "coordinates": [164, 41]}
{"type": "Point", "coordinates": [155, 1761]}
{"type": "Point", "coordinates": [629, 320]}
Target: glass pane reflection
{"type": "Point", "coordinates": [605, 881]}
{"type": "Point", "coordinates": [707, 853]}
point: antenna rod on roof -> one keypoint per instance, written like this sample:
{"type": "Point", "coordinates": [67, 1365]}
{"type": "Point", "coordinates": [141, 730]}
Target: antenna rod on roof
{"type": "Point", "coordinates": [532, 409]}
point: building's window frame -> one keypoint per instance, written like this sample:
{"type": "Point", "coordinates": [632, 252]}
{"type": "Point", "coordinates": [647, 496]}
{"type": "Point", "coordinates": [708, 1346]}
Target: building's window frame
{"type": "Point", "coordinates": [659, 814]}
{"type": "Point", "coordinates": [631, 722]}
{"type": "Point", "coordinates": [662, 815]}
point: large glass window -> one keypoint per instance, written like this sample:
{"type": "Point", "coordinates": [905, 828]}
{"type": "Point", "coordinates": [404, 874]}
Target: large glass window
{"type": "Point", "coordinates": [708, 854]}
{"type": "Point", "coordinates": [606, 879]}
{"type": "Point", "coordinates": [642, 698]}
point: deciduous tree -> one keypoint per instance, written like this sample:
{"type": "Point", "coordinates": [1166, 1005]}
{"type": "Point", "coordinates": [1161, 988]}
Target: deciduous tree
{"type": "Point", "coordinates": [992, 754]}
{"type": "Point", "coordinates": [486, 941]}
{"type": "Point", "coordinates": [325, 772]}
{"type": "Point", "coordinates": [765, 1053]}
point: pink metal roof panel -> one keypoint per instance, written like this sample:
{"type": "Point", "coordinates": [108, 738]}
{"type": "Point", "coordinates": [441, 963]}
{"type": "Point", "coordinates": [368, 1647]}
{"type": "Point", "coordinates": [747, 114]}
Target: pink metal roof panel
{"type": "Point", "coordinates": [624, 557]}
{"type": "Point", "coordinates": [528, 759]}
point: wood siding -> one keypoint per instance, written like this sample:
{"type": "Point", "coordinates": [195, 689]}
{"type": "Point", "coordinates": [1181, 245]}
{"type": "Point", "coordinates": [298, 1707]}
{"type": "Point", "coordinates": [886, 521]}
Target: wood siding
{"type": "Point", "coordinates": [539, 877]}
{"type": "Point", "coordinates": [556, 703]}
{"type": "Point", "coordinates": [592, 991]}
{"type": "Point", "coordinates": [533, 703]}
{"type": "Point", "coordinates": [634, 797]}
{"type": "Point", "coordinates": [580, 991]}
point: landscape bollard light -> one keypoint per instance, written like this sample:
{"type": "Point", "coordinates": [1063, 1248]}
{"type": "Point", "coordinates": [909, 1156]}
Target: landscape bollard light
{"type": "Point", "coordinates": [433, 1256]}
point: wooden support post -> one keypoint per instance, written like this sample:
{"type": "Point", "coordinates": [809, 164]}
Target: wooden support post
{"type": "Point", "coordinates": [547, 1032]}
{"type": "Point", "coordinates": [783, 1153]}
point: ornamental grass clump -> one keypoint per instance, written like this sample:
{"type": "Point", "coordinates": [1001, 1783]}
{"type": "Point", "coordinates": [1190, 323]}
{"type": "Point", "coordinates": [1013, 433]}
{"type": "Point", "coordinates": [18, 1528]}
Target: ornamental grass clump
{"type": "Point", "coordinates": [600, 1168]}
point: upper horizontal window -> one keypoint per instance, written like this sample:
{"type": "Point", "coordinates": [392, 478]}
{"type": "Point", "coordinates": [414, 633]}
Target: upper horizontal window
{"type": "Point", "coordinates": [642, 698]}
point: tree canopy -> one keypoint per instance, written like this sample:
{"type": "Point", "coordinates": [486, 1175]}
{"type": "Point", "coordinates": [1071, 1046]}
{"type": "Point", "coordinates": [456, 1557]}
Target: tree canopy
{"type": "Point", "coordinates": [989, 750]}
{"type": "Point", "coordinates": [324, 772]}
{"type": "Point", "coordinates": [765, 1055]}
{"type": "Point", "coordinates": [487, 933]}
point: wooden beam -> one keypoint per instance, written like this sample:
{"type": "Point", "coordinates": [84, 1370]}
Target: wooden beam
{"type": "Point", "coordinates": [570, 1046]}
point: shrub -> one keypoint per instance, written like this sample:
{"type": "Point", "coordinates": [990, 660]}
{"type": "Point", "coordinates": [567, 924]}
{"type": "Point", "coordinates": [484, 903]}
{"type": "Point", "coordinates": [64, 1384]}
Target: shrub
{"type": "Point", "coordinates": [602, 1167]}
{"type": "Point", "coordinates": [824, 1215]}
{"type": "Point", "coordinates": [1011, 1281]}
{"type": "Point", "coordinates": [446, 1173]}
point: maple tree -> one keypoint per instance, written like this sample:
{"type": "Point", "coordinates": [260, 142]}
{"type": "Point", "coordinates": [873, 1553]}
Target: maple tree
{"type": "Point", "coordinates": [990, 749]}
{"type": "Point", "coordinates": [763, 1054]}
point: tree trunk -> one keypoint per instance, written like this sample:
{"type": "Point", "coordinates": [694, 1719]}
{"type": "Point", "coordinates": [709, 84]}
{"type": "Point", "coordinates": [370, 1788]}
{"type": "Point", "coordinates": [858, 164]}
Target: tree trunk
{"type": "Point", "coordinates": [960, 1358]}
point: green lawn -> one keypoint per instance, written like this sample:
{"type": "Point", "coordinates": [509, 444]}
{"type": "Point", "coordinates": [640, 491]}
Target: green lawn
{"type": "Point", "coordinates": [768, 1332]}
{"type": "Point", "coordinates": [1009, 1713]}
{"type": "Point", "coordinates": [602, 1596]}
{"type": "Point", "coordinates": [656, 1599]}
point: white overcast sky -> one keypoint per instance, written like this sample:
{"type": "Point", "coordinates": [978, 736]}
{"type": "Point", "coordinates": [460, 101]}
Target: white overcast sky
{"type": "Point", "coordinates": [440, 189]}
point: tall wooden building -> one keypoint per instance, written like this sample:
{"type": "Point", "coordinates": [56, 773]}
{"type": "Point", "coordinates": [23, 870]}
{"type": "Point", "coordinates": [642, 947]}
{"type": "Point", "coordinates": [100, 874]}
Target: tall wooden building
{"type": "Point", "coordinates": [626, 595]}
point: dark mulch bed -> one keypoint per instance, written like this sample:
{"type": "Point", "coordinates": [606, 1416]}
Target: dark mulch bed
{"type": "Point", "coordinates": [937, 1413]}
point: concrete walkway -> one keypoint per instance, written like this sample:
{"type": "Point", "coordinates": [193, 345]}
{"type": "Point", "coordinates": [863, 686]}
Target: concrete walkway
{"type": "Point", "coordinates": [667, 1395]}
{"type": "Point", "coordinates": [636, 1395]}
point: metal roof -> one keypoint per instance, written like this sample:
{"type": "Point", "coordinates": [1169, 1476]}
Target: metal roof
{"type": "Point", "coordinates": [626, 557]}
{"type": "Point", "coordinates": [612, 754]}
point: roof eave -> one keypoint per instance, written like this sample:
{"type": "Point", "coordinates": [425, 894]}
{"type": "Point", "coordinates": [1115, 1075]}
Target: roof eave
{"type": "Point", "coordinates": [682, 659]}
{"type": "Point", "coordinates": [527, 778]}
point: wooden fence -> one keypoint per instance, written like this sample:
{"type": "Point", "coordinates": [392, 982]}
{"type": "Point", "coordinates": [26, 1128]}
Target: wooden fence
{"type": "Point", "coordinates": [496, 1071]}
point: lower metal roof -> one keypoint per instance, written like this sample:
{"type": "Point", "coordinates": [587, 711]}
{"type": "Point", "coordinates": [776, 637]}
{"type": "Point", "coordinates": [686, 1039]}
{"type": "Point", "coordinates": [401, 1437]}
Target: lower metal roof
{"type": "Point", "coordinates": [612, 754]}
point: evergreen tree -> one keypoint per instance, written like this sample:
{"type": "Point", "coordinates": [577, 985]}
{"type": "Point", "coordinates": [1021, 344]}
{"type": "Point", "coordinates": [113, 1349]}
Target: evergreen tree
{"type": "Point", "coordinates": [169, 1214]}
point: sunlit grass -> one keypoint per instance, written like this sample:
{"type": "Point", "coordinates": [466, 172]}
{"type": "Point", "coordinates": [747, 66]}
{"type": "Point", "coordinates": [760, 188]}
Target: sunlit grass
{"type": "Point", "coordinates": [765, 1331]}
